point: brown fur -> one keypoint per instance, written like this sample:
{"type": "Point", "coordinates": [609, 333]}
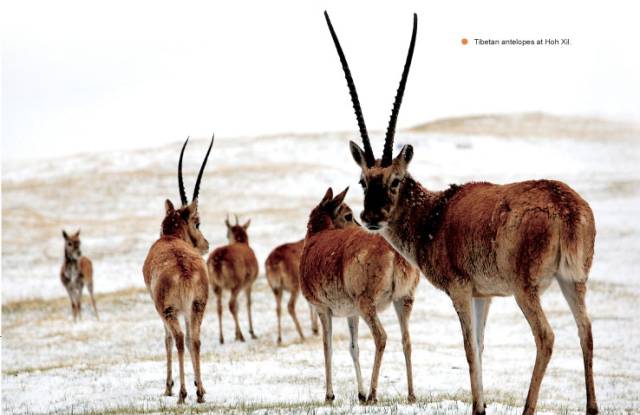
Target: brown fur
{"type": "Point", "coordinates": [352, 273]}
{"type": "Point", "coordinates": [282, 267]}
{"type": "Point", "coordinates": [481, 240]}
{"type": "Point", "coordinates": [234, 267]}
{"type": "Point", "coordinates": [76, 272]}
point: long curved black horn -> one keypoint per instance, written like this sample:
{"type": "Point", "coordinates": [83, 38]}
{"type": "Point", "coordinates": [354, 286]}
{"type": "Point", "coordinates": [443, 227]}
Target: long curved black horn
{"type": "Point", "coordinates": [368, 152]}
{"type": "Point", "coordinates": [204, 163]}
{"type": "Point", "coordinates": [183, 195]}
{"type": "Point", "coordinates": [387, 154]}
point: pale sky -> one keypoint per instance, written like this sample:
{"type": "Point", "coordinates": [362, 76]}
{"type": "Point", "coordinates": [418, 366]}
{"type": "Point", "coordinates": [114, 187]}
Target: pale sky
{"type": "Point", "coordinates": [83, 76]}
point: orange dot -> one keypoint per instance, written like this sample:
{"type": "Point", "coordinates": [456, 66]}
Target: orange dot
{"type": "Point", "coordinates": [465, 41]}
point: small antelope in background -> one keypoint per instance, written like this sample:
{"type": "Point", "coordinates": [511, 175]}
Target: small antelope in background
{"type": "Point", "coordinates": [76, 272]}
{"type": "Point", "coordinates": [353, 273]}
{"type": "Point", "coordinates": [176, 276]}
{"type": "Point", "coordinates": [481, 240]}
{"type": "Point", "coordinates": [234, 267]}
{"type": "Point", "coordinates": [283, 273]}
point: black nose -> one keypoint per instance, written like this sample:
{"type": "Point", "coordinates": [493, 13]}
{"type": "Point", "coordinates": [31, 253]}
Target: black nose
{"type": "Point", "coordinates": [373, 227]}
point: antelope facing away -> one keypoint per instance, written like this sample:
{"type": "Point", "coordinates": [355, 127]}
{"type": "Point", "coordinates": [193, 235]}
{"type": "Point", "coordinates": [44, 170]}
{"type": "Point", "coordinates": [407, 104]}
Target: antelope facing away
{"type": "Point", "coordinates": [234, 267]}
{"type": "Point", "coordinates": [352, 273]}
{"type": "Point", "coordinates": [283, 273]}
{"type": "Point", "coordinates": [481, 240]}
{"type": "Point", "coordinates": [176, 276]}
{"type": "Point", "coordinates": [76, 272]}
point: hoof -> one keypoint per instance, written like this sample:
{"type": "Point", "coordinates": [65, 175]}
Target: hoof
{"type": "Point", "coordinates": [183, 395]}
{"type": "Point", "coordinates": [592, 411]}
{"type": "Point", "coordinates": [221, 340]}
{"type": "Point", "coordinates": [168, 389]}
{"type": "Point", "coordinates": [362, 397]}
{"type": "Point", "coordinates": [201, 397]}
{"type": "Point", "coordinates": [372, 399]}
{"type": "Point", "coordinates": [239, 338]}
{"type": "Point", "coordinates": [253, 336]}
{"type": "Point", "coordinates": [411, 398]}
{"type": "Point", "coordinates": [329, 398]}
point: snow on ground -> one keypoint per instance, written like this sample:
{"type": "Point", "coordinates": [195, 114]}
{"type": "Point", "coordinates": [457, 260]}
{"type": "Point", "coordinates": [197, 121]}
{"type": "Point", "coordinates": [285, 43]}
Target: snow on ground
{"type": "Point", "coordinates": [117, 364]}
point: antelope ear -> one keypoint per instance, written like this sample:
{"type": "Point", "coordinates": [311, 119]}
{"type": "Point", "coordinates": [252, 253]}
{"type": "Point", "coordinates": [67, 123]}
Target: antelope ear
{"type": "Point", "coordinates": [340, 197]}
{"type": "Point", "coordinates": [246, 225]}
{"type": "Point", "coordinates": [193, 206]}
{"type": "Point", "coordinates": [226, 222]}
{"type": "Point", "coordinates": [358, 155]}
{"type": "Point", "coordinates": [404, 157]}
{"type": "Point", "coordinates": [327, 197]}
{"type": "Point", "coordinates": [77, 234]}
{"type": "Point", "coordinates": [168, 207]}
{"type": "Point", "coordinates": [64, 234]}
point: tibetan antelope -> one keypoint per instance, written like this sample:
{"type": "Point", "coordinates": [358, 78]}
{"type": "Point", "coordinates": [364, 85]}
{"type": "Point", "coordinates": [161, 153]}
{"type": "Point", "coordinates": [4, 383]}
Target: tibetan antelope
{"type": "Point", "coordinates": [234, 267]}
{"type": "Point", "coordinates": [283, 273]}
{"type": "Point", "coordinates": [481, 240]}
{"type": "Point", "coordinates": [176, 276]}
{"type": "Point", "coordinates": [353, 273]}
{"type": "Point", "coordinates": [76, 272]}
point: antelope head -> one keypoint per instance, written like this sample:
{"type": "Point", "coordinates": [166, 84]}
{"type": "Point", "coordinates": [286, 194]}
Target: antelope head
{"type": "Point", "coordinates": [72, 245]}
{"type": "Point", "coordinates": [237, 233]}
{"type": "Point", "coordinates": [382, 179]}
{"type": "Point", "coordinates": [329, 211]}
{"type": "Point", "coordinates": [184, 222]}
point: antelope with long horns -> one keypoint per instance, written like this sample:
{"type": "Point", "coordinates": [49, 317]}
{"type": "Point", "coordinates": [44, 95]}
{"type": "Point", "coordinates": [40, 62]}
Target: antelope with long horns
{"type": "Point", "coordinates": [283, 273]}
{"type": "Point", "coordinates": [76, 272]}
{"type": "Point", "coordinates": [234, 267]}
{"type": "Point", "coordinates": [176, 276]}
{"type": "Point", "coordinates": [352, 273]}
{"type": "Point", "coordinates": [481, 240]}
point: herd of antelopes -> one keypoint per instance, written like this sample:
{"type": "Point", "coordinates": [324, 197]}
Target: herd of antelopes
{"type": "Point", "coordinates": [472, 241]}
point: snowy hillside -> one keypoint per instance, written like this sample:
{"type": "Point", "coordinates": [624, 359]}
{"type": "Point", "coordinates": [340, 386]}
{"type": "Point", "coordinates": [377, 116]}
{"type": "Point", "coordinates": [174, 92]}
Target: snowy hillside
{"type": "Point", "coordinates": [117, 363]}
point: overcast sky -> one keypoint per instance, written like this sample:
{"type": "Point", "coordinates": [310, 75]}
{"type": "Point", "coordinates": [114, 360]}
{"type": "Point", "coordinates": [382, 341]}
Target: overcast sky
{"type": "Point", "coordinates": [86, 76]}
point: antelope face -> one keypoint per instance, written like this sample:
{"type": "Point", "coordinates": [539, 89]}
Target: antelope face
{"type": "Point", "coordinates": [185, 224]}
{"type": "Point", "coordinates": [72, 245]}
{"type": "Point", "coordinates": [382, 186]}
{"type": "Point", "coordinates": [343, 217]}
{"type": "Point", "coordinates": [237, 233]}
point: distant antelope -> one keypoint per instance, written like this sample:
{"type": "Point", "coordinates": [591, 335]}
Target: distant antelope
{"type": "Point", "coordinates": [353, 273]}
{"type": "Point", "coordinates": [176, 276]}
{"type": "Point", "coordinates": [283, 273]}
{"type": "Point", "coordinates": [234, 267]}
{"type": "Point", "coordinates": [76, 272]}
{"type": "Point", "coordinates": [481, 240]}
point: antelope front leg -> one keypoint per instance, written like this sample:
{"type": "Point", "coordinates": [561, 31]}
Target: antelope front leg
{"type": "Point", "coordinates": [403, 309]}
{"type": "Point", "coordinates": [369, 315]}
{"type": "Point", "coordinates": [291, 307]}
{"type": "Point", "coordinates": [529, 303]}
{"type": "Point", "coordinates": [248, 293]}
{"type": "Point", "coordinates": [168, 344]}
{"type": "Point", "coordinates": [325, 320]}
{"type": "Point", "coordinates": [462, 304]}
{"type": "Point", "coordinates": [355, 354]}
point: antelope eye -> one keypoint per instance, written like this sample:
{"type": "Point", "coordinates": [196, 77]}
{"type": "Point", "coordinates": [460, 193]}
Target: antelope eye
{"type": "Point", "coordinates": [198, 225]}
{"type": "Point", "coordinates": [395, 183]}
{"type": "Point", "coordinates": [348, 217]}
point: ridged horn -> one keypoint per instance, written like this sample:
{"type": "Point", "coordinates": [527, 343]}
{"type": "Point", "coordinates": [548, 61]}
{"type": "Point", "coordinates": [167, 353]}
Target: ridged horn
{"type": "Point", "coordinates": [368, 152]}
{"type": "Point", "coordinates": [183, 195]}
{"type": "Point", "coordinates": [387, 154]}
{"type": "Point", "coordinates": [204, 163]}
